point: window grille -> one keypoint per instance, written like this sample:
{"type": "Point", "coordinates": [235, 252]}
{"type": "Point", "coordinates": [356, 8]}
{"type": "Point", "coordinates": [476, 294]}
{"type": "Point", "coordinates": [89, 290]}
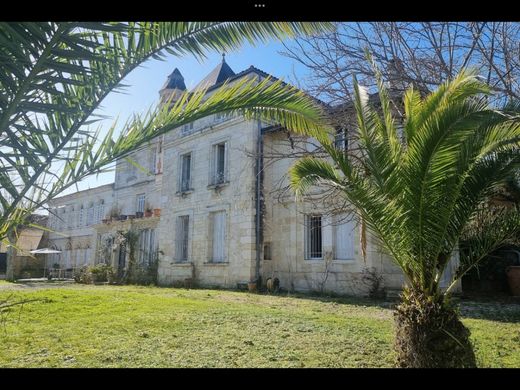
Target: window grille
{"type": "Point", "coordinates": [182, 238]}
{"type": "Point", "coordinates": [313, 237]}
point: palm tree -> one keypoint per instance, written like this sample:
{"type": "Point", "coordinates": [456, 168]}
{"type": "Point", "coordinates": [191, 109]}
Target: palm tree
{"type": "Point", "coordinates": [416, 187]}
{"type": "Point", "coordinates": [53, 77]}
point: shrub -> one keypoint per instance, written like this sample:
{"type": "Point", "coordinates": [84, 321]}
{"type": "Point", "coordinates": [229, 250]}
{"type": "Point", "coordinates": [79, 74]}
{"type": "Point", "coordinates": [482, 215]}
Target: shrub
{"type": "Point", "coordinates": [95, 274]}
{"type": "Point", "coordinates": [102, 273]}
{"type": "Point", "coordinates": [83, 275]}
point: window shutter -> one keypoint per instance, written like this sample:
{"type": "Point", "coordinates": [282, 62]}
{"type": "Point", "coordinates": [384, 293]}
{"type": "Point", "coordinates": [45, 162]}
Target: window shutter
{"type": "Point", "coordinates": [219, 236]}
{"type": "Point", "coordinates": [344, 237]}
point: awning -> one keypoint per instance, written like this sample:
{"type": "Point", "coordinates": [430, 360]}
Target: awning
{"type": "Point", "coordinates": [44, 251]}
{"type": "Point", "coordinates": [28, 240]}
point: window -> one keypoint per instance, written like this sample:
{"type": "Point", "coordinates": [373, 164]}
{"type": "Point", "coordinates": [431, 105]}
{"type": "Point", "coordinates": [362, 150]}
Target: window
{"type": "Point", "coordinates": [219, 169]}
{"type": "Point", "coordinates": [81, 221]}
{"type": "Point", "coordinates": [141, 198]}
{"type": "Point", "coordinates": [344, 233]}
{"type": "Point", "coordinates": [146, 245]}
{"type": "Point", "coordinates": [185, 176]}
{"type": "Point", "coordinates": [100, 211]}
{"type": "Point", "coordinates": [187, 128]}
{"type": "Point", "coordinates": [341, 140]}
{"type": "Point", "coordinates": [313, 237]}
{"type": "Point", "coordinates": [223, 116]}
{"type": "Point", "coordinates": [70, 218]}
{"type": "Point", "coordinates": [218, 235]}
{"type": "Point", "coordinates": [182, 238]}
{"type": "Point", "coordinates": [90, 214]}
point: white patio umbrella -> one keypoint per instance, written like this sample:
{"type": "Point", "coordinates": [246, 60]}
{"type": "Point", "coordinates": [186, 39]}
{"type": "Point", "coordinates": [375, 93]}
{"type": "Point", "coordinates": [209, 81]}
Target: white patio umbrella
{"type": "Point", "coordinates": [45, 251]}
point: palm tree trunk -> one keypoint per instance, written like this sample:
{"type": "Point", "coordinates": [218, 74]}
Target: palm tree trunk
{"type": "Point", "coordinates": [429, 333]}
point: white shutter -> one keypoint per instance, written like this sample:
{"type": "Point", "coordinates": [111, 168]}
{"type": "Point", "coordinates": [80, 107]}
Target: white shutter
{"type": "Point", "coordinates": [219, 236]}
{"type": "Point", "coordinates": [344, 237]}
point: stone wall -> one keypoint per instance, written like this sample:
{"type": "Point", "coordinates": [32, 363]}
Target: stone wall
{"type": "Point", "coordinates": [235, 197]}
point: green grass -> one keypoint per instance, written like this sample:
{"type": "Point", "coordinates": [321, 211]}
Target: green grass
{"type": "Point", "coordinates": [129, 326]}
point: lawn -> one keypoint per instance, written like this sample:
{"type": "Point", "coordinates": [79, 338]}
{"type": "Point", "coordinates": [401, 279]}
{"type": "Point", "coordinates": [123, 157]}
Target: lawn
{"type": "Point", "coordinates": [129, 326]}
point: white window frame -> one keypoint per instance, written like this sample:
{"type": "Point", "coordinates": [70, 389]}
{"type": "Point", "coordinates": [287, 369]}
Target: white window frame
{"type": "Point", "coordinates": [90, 215]}
{"type": "Point", "coordinates": [140, 201]}
{"type": "Point", "coordinates": [187, 128]}
{"type": "Point", "coordinates": [185, 186]}
{"type": "Point", "coordinates": [147, 246]}
{"type": "Point", "coordinates": [81, 219]}
{"type": "Point", "coordinates": [217, 177]}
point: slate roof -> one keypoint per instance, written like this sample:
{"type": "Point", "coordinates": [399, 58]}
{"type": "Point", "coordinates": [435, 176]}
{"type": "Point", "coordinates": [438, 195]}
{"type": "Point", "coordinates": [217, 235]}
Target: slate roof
{"type": "Point", "coordinates": [217, 76]}
{"type": "Point", "coordinates": [175, 81]}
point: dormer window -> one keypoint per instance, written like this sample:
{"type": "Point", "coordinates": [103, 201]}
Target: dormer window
{"type": "Point", "coordinates": [187, 128]}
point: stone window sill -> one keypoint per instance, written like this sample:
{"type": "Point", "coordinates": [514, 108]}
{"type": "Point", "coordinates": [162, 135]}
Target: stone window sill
{"type": "Point", "coordinates": [181, 263]}
{"type": "Point", "coordinates": [217, 264]}
{"type": "Point", "coordinates": [218, 186]}
{"type": "Point", "coordinates": [184, 192]}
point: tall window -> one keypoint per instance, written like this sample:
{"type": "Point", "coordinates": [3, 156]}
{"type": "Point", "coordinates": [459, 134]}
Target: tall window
{"type": "Point", "coordinates": [182, 238]}
{"type": "Point", "coordinates": [90, 214]}
{"type": "Point", "coordinates": [313, 237]}
{"type": "Point", "coordinates": [344, 232]}
{"type": "Point", "coordinates": [341, 140]}
{"type": "Point", "coordinates": [81, 220]}
{"type": "Point", "coordinates": [218, 235]}
{"type": "Point", "coordinates": [100, 211]}
{"type": "Point", "coordinates": [219, 169]}
{"type": "Point", "coordinates": [185, 183]}
{"type": "Point", "coordinates": [147, 246]}
{"type": "Point", "coordinates": [70, 218]}
{"type": "Point", "coordinates": [140, 200]}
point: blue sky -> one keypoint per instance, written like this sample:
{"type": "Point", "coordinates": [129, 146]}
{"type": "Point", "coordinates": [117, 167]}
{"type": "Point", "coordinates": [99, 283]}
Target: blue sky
{"type": "Point", "coordinates": [146, 81]}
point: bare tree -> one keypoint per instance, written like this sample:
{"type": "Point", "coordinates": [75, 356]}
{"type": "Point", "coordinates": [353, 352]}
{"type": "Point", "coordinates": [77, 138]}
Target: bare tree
{"type": "Point", "coordinates": [423, 54]}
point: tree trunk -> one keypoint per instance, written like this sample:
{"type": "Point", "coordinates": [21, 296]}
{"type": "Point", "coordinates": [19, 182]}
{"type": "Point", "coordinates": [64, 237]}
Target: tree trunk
{"type": "Point", "coordinates": [11, 253]}
{"type": "Point", "coordinates": [429, 334]}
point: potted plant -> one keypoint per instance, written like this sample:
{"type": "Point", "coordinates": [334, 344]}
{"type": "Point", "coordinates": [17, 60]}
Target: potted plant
{"type": "Point", "coordinates": [139, 214]}
{"type": "Point", "coordinates": [157, 212]}
{"type": "Point", "coordinates": [131, 216]}
{"type": "Point", "coordinates": [148, 211]}
{"type": "Point", "coordinates": [251, 286]}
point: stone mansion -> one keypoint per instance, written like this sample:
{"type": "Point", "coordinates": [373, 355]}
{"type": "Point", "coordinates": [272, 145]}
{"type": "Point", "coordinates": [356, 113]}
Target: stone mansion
{"type": "Point", "coordinates": [207, 202]}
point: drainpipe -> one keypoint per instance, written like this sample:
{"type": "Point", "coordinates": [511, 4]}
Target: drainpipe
{"type": "Point", "coordinates": [258, 200]}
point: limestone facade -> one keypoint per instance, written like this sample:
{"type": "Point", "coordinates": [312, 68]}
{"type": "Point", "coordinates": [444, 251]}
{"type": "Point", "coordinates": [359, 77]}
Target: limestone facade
{"type": "Point", "coordinates": [204, 179]}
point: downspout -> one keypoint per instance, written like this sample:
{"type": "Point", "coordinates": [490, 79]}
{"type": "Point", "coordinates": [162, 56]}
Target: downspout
{"type": "Point", "coordinates": [258, 201]}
